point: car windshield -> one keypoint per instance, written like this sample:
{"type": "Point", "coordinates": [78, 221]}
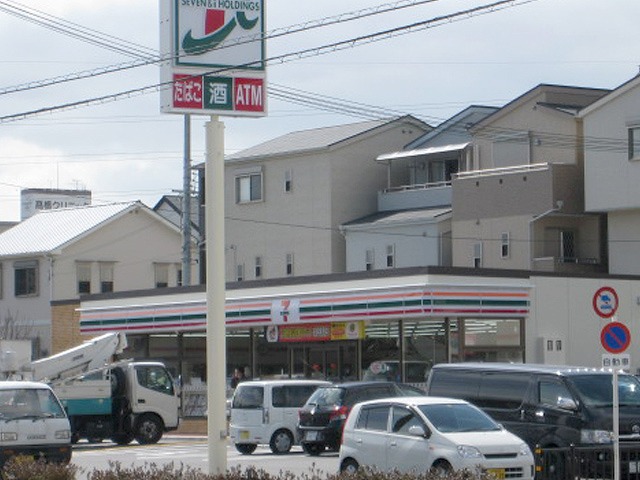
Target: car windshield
{"type": "Point", "coordinates": [597, 390]}
{"type": "Point", "coordinates": [458, 417]}
{"type": "Point", "coordinates": [326, 396]}
{"type": "Point", "coordinates": [29, 403]}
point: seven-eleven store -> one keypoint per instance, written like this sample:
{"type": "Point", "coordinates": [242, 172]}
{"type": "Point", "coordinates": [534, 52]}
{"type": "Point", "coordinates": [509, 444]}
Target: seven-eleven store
{"type": "Point", "coordinates": [343, 327]}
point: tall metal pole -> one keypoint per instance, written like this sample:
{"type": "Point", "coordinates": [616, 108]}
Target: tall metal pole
{"type": "Point", "coordinates": [186, 203]}
{"type": "Point", "coordinates": [216, 345]}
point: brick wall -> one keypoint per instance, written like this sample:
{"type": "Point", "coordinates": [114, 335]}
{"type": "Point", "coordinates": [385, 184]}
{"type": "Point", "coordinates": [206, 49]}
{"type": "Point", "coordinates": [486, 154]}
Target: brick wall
{"type": "Point", "coordinates": [65, 326]}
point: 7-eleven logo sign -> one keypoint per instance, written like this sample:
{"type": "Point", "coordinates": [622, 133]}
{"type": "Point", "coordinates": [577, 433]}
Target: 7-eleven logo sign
{"type": "Point", "coordinates": [285, 311]}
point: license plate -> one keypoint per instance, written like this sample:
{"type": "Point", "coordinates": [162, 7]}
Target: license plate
{"type": "Point", "coordinates": [311, 435]}
{"type": "Point", "coordinates": [497, 473]}
{"type": "Point", "coordinates": [244, 434]}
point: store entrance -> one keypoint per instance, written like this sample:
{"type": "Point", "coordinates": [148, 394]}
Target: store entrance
{"type": "Point", "coordinates": [334, 362]}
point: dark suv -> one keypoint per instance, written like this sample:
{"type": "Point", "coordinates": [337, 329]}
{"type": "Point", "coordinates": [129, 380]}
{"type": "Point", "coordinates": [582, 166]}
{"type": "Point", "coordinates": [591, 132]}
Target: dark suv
{"type": "Point", "coordinates": [321, 419]}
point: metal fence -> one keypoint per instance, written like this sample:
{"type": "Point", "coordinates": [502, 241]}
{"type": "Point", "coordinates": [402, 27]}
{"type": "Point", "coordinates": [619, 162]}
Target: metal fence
{"type": "Point", "coordinates": [593, 462]}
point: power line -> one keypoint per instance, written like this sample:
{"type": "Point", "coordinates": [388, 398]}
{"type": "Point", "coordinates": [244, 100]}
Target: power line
{"type": "Point", "coordinates": [151, 57]}
{"type": "Point", "coordinates": [287, 57]}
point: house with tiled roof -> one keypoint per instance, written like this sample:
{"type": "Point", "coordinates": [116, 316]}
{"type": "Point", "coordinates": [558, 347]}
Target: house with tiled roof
{"type": "Point", "coordinates": [60, 255]}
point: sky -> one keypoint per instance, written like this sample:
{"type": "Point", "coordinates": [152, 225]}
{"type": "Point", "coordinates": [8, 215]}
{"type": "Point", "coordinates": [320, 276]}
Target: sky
{"type": "Point", "coordinates": [127, 150]}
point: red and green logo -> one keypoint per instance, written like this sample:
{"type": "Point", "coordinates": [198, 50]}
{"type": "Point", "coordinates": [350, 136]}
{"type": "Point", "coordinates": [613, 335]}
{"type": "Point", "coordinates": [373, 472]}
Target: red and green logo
{"type": "Point", "coordinates": [216, 31]}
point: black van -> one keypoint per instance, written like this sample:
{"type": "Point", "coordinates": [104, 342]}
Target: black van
{"type": "Point", "coordinates": [549, 406]}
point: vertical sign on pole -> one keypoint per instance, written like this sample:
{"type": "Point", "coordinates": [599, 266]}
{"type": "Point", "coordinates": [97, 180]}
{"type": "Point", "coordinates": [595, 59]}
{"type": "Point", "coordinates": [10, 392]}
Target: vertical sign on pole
{"type": "Point", "coordinates": [615, 338]}
{"type": "Point", "coordinates": [214, 64]}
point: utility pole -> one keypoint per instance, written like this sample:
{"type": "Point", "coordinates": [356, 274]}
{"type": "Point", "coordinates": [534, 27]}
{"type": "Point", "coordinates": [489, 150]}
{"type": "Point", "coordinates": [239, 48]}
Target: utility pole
{"type": "Point", "coordinates": [186, 204]}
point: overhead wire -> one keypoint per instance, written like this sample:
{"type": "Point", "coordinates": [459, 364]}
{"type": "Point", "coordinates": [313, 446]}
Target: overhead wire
{"type": "Point", "coordinates": [287, 57]}
{"type": "Point", "coordinates": [152, 57]}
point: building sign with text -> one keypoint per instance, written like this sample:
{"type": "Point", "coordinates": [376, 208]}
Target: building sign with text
{"type": "Point", "coordinates": [214, 57]}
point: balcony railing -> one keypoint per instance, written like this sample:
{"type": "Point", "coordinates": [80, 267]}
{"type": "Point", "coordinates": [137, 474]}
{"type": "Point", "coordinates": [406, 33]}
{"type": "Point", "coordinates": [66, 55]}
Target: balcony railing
{"type": "Point", "coordinates": [535, 167]}
{"type": "Point", "coordinates": [418, 186]}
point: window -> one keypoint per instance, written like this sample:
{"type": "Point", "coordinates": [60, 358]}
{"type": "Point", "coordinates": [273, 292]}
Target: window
{"type": "Point", "coordinates": [504, 244]}
{"type": "Point", "coordinates": [391, 256]}
{"type": "Point", "coordinates": [374, 418]}
{"type": "Point", "coordinates": [403, 419]}
{"type": "Point", "coordinates": [106, 277]}
{"type": "Point", "coordinates": [477, 255]}
{"type": "Point", "coordinates": [567, 246]}
{"type": "Point", "coordinates": [26, 278]}
{"type": "Point", "coordinates": [634, 143]}
{"type": "Point", "coordinates": [240, 272]}
{"type": "Point", "coordinates": [289, 267]}
{"type": "Point", "coordinates": [161, 275]}
{"type": "Point", "coordinates": [288, 181]}
{"type": "Point", "coordinates": [258, 267]}
{"type": "Point", "coordinates": [249, 188]}
{"type": "Point", "coordinates": [83, 274]}
{"type": "Point", "coordinates": [154, 378]}
{"type": "Point", "coordinates": [369, 260]}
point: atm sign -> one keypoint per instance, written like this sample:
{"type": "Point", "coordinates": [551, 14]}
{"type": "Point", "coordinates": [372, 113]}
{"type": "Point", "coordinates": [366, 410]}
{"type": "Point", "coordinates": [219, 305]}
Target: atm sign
{"type": "Point", "coordinates": [208, 94]}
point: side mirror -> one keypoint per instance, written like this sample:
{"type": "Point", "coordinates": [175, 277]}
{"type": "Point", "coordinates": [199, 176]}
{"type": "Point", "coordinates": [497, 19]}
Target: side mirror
{"type": "Point", "coordinates": [567, 403]}
{"type": "Point", "coordinates": [418, 431]}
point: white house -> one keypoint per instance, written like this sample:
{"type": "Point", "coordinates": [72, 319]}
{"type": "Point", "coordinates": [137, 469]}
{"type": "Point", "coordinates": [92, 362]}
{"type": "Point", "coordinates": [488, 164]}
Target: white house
{"type": "Point", "coordinates": [66, 253]}
{"type": "Point", "coordinates": [612, 171]}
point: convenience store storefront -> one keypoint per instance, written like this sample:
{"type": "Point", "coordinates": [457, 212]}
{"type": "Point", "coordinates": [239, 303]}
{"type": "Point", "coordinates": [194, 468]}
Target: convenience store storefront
{"type": "Point", "coordinates": [339, 327]}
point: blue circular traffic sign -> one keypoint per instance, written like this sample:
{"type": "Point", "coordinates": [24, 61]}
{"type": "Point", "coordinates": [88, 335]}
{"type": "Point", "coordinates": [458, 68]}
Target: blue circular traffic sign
{"type": "Point", "coordinates": [615, 337]}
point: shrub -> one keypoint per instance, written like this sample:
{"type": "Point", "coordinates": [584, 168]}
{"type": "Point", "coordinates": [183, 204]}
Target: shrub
{"type": "Point", "coordinates": [27, 468]}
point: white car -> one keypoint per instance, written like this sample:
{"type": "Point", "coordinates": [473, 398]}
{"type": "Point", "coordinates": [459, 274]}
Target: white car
{"type": "Point", "coordinates": [422, 434]}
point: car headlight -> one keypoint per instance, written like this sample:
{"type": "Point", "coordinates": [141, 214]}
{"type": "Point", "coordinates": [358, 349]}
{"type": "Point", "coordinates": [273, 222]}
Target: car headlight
{"type": "Point", "coordinates": [63, 434]}
{"type": "Point", "coordinates": [524, 450]}
{"type": "Point", "coordinates": [9, 436]}
{"type": "Point", "coordinates": [596, 436]}
{"type": "Point", "coordinates": [466, 451]}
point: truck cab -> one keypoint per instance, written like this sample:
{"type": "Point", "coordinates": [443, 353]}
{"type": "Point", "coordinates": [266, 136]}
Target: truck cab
{"type": "Point", "coordinates": [32, 422]}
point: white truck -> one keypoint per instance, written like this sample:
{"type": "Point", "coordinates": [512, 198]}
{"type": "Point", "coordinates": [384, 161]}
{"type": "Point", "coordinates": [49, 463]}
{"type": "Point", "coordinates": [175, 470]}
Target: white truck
{"type": "Point", "coordinates": [110, 399]}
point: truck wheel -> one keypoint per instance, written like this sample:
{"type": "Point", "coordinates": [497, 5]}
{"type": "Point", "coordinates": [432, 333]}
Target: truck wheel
{"type": "Point", "coordinates": [148, 429]}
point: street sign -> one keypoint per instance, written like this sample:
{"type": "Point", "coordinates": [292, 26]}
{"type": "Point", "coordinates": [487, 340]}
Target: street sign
{"type": "Point", "coordinates": [605, 302]}
{"type": "Point", "coordinates": [619, 361]}
{"type": "Point", "coordinates": [615, 337]}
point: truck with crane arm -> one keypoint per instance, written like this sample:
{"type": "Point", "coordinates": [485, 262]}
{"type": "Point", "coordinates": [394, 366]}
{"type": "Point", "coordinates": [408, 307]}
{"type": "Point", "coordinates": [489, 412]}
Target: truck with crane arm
{"type": "Point", "coordinates": [106, 398]}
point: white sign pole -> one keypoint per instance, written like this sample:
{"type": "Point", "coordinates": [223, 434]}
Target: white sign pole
{"type": "Point", "coordinates": [616, 427]}
{"type": "Point", "coordinates": [216, 346]}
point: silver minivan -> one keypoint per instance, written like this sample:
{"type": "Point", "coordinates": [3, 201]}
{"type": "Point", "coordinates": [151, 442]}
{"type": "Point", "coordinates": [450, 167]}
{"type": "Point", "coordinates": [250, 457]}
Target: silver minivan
{"type": "Point", "coordinates": [265, 412]}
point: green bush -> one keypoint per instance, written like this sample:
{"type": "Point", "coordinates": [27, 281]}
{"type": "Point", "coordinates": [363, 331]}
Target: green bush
{"type": "Point", "coordinates": [26, 468]}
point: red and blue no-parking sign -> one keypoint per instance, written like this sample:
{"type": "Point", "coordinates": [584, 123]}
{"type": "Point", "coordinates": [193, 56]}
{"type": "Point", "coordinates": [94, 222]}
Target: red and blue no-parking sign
{"type": "Point", "coordinates": [615, 337]}
{"type": "Point", "coordinates": [605, 302]}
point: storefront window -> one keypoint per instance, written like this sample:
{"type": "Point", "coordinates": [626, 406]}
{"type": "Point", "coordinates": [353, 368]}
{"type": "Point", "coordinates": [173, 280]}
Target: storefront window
{"type": "Point", "coordinates": [493, 340]}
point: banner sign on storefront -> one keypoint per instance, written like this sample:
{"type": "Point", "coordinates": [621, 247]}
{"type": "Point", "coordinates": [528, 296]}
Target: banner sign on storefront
{"type": "Point", "coordinates": [316, 332]}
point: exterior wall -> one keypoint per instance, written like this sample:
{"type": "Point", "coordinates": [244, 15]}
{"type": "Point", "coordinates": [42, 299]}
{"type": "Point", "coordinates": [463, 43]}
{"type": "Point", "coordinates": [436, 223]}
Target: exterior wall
{"type": "Point", "coordinates": [30, 314]}
{"type": "Point", "coordinates": [294, 222]}
{"type": "Point", "coordinates": [562, 309]}
{"type": "Point", "coordinates": [65, 326]}
{"type": "Point", "coordinates": [532, 132]}
{"type": "Point", "coordinates": [488, 232]}
{"type": "Point", "coordinates": [133, 242]}
{"type": "Point", "coordinates": [415, 246]}
{"type": "Point", "coordinates": [329, 187]}
{"type": "Point", "coordinates": [623, 253]}
{"type": "Point", "coordinates": [611, 180]}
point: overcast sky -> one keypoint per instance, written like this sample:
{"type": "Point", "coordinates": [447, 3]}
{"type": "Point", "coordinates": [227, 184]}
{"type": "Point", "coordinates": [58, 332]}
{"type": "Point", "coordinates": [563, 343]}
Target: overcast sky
{"type": "Point", "coordinates": [128, 150]}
